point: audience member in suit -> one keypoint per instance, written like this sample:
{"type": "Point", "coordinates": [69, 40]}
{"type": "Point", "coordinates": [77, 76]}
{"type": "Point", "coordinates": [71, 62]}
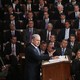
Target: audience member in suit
{"type": "Point", "coordinates": [9, 12]}
{"type": "Point", "coordinates": [51, 50]}
{"type": "Point", "coordinates": [70, 6]}
{"type": "Point", "coordinates": [60, 23]}
{"type": "Point", "coordinates": [63, 50]}
{"type": "Point", "coordinates": [33, 59]}
{"type": "Point", "coordinates": [28, 17]}
{"type": "Point", "coordinates": [58, 12]}
{"type": "Point", "coordinates": [12, 49]}
{"type": "Point", "coordinates": [45, 34]}
{"type": "Point", "coordinates": [54, 41]}
{"type": "Point", "coordinates": [41, 13]}
{"type": "Point", "coordinates": [12, 32]}
{"type": "Point", "coordinates": [45, 21]}
{"type": "Point", "coordinates": [58, 2]}
{"type": "Point", "coordinates": [76, 24]}
{"type": "Point", "coordinates": [73, 45]}
{"type": "Point", "coordinates": [16, 6]}
{"type": "Point", "coordinates": [29, 5]}
{"type": "Point", "coordinates": [43, 47]}
{"type": "Point", "coordinates": [75, 14]}
{"type": "Point", "coordinates": [65, 32]}
{"type": "Point", "coordinates": [76, 66]}
{"type": "Point", "coordinates": [30, 30]}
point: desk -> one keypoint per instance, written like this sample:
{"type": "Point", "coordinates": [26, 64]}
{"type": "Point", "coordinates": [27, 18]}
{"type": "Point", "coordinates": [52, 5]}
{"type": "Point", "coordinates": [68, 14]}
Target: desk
{"type": "Point", "coordinates": [56, 71]}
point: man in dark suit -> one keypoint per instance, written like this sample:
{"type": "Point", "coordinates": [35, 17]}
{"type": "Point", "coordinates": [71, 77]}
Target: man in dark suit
{"type": "Point", "coordinates": [12, 32]}
{"type": "Point", "coordinates": [75, 14]}
{"type": "Point", "coordinates": [33, 59]}
{"type": "Point", "coordinates": [73, 45]}
{"type": "Point", "coordinates": [76, 66]}
{"type": "Point", "coordinates": [60, 23]}
{"type": "Point", "coordinates": [63, 50]}
{"type": "Point", "coordinates": [76, 24]}
{"type": "Point", "coordinates": [45, 20]}
{"type": "Point", "coordinates": [45, 34]}
{"type": "Point", "coordinates": [65, 32]}
{"type": "Point", "coordinates": [12, 53]}
{"type": "Point", "coordinates": [30, 30]}
{"type": "Point", "coordinates": [13, 48]}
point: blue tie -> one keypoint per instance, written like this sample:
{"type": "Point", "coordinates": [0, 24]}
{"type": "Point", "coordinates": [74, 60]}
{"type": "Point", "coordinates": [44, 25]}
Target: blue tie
{"type": "Point", "coordinates": [63, 51]}
{"type": "Point", "coordinates": [38, 51]}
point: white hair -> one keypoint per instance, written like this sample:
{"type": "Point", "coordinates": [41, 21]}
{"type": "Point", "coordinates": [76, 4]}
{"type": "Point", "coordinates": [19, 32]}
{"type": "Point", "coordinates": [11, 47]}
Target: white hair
{"type": "Point", "coordinates": [50, 24]}
{"type": "Point", "coordinates": [35, 36]}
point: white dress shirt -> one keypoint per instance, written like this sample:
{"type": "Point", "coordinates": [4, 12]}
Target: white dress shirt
{"type": "Point", "coordinates": [48, 34]}
{"type": "Point", "coordinates": [28, 6]}
{"type": "Point", "coordinates": [79, 25]}
{"type": "Point", "coordinates": [13, 47]}
{"type": "Point", "coordinates": [67, 33]}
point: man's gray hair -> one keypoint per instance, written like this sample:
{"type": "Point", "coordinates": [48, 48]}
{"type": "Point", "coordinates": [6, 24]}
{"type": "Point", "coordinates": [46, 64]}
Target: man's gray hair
{"type": "Point", "coordinates": [35, 36]}
{"type": "Point", "coordinates": [50, 24]}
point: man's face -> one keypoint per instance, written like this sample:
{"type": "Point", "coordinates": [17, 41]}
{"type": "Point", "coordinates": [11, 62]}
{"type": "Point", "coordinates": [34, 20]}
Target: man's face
{"type": "Point", "coordinates": [67, 25]}
{"type": "Point", "coordinates": [43, 47]}
{"type": "Point", "coordinates": [78, 54]}
{"type": "Point", "coordinates": [76, 8]}
{"type": "Point", "coordinates": [52, 38]}
{"type": "Point", "coordinates": [49, 28]}
{"type": "Point", "coordinates": [46, 15]}
{"type": "Point", "coordinates": [14, 40]}
{"type": "Point", "coordinates": [64, 44]}
{"type": "Point", "coordinates": [72, 38]}
{"type": "Point", "coordinates": [30, 24]}
{"type": "Point", "coordinates": [36, 41]}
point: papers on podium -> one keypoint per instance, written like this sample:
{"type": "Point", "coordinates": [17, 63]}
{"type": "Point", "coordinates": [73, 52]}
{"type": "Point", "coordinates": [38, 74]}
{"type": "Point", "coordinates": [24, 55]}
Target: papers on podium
{"type": "Point", "coordinates": [60, 59]}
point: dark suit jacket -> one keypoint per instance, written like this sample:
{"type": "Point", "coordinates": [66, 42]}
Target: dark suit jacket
{"type": "Point", "coordinates": [7, 50]}
{"type": "Point", "coordinates": [8, 35]}
{"type": "Point", "coordinates": [76, 24]}
{"type": "Point", "coordinates": [74, 48]}
{"type": "Point", "coordinates": [33, 61]}
{"type": "Point", "coordinates": [43, 24]}
{"type": "Point", "coordinates": [75, 68]}
{"type": "Point", "coordinates": [44, 34]}
{"type": "Point", "coordinates": [67, 52]}
{"type": "Point", "coordinates": [59, 25]}
{"type": "Point", "coordinates": [72, 16]}
{"type": "Point", "coordinates": [27, 35]}
{"type": "Point", "coordinates": [61, 34]}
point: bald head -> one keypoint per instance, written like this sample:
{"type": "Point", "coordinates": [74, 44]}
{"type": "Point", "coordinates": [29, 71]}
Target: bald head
{"type": "Point", "coordinates": [36, 39]}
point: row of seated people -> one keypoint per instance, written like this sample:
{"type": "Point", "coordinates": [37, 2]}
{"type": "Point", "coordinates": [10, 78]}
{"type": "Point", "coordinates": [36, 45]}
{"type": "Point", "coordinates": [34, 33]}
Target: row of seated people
{"type": "Point", "coordinates": [41, 23]}
{"type": "Point", "coordinates": [24, 35]}
{"type": "Point", "coordinates": [59, 9]}
{"type": "Point", "coordinates": [29, 5]}
{"type": "Point", "coordinates": [53, 14]}
{"type": "Point", "coordinates": [13, 50]}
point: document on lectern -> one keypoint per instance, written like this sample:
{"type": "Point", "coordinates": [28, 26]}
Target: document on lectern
{"type": "Point", "coordinates": [60, 59]}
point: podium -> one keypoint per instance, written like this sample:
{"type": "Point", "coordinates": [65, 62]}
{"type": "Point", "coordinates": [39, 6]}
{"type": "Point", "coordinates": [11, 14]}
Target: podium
{"type": "Point", "coordinates": [56, 71]}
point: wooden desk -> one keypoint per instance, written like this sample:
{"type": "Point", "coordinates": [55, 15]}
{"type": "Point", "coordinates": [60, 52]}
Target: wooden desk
{"type": "Point", "coordinates": [56, 71]}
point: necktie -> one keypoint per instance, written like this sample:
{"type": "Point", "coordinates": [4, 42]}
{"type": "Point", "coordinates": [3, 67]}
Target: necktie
{"type": "Point", "coordinates": [13, 49]}
{"type": "Point", "coordinates": [38, 51]}
{"type": "Point", "coordinates": [63, 51]}
{"type": "Point", "coordinates": [48, 36]}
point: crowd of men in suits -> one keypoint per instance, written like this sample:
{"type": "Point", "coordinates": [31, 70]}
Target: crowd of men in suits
{"type": "Point", "coordinates": [56, 21]}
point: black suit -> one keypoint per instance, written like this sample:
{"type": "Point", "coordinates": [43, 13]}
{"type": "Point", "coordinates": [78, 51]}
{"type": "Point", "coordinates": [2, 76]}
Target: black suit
{"type": "Point", "coordinates": [33, 62]}
{"type": "Point", "coordinates": [27, 35]}
{"type": "Point", "coordinates": [44, 34]}
{"type": "Point", "coordinates": [8, 35]}
{"type": "Point", "coordinates": [76, 24]}
{"type": "Point", "coordinates": [59, 25]}
{"type": "Point", "coordinates": [76, 68]}
{"type": "Point", "coordinates": [67, 52]}
{"type": "Point", "coordinates": [61, 34]}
